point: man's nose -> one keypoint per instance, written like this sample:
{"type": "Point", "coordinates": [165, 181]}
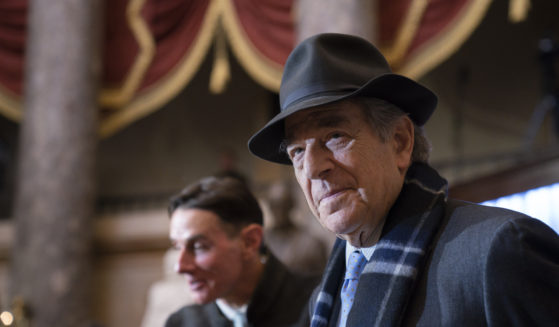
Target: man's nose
{"type": "Point", "coordinates": [185, 262]}
{"type": "Point", "coordinates": [317, 161]}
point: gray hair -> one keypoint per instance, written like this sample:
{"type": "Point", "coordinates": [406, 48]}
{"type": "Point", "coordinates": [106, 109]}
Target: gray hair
{"type": "Point", "coordinates": [383, 116]}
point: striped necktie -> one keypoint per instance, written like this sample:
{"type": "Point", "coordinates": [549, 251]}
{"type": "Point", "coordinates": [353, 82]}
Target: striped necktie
{"type": "Point", "coordinates": [355, 266]}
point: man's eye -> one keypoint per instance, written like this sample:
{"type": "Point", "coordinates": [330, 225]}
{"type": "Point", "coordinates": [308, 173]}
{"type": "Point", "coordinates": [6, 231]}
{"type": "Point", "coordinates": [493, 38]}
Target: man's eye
{"type": "Point", "coordinates": [335, 135]}
{"type": "Point", "coordinates": [199, 247]}
{"type": "Point", "coordinates": [295, 151]}
{"type": "Point", "coordinates": [336, 139]}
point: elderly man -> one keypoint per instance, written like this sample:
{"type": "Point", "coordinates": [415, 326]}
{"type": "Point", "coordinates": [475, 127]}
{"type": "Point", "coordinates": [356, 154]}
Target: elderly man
{"type": "Point", "coordinates": [216, 224]}
{"type": "Point", "coordinates": [406, 254]}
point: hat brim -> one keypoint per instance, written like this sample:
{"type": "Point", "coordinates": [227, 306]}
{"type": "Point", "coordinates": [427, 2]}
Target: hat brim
{"type": "Point", "coordinates": [413, 98]}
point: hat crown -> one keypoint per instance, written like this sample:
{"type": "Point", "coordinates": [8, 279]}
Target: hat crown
{"type": "Point", "coordinates": [328, 64]}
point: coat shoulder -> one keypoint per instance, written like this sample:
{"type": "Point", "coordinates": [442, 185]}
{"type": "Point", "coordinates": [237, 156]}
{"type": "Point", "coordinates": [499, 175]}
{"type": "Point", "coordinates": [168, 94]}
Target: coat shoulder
{"type": "Point", "coordinates": [196, 315]}
{"type": "Point", "coordinates": [488, 266]}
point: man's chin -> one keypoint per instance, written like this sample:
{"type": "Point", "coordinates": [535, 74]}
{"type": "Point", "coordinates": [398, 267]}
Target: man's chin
{"type": "Point", "coordinates": [363, 237]}
{"type": "Point", "coordinates": [202, 298]}
{"type": "Point", "coordinates": [354, 235]}
{"type": "Point", "coordinates": [349, 238]}
{"type": "Point", "coordinates": [339, 224]}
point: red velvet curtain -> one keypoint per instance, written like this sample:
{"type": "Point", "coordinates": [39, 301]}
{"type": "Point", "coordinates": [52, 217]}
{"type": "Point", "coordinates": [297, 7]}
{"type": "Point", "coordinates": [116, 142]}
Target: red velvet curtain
{"type": "Point", "coordinates": [148, 45]}
{"type": "Point", "coordinates": [269, 26]}
{"type": "Point", "coordinates": [12, 44]}
{"type": "Point", "coordinates": [175, 25]}
{"type": "Point", "coordinates": [438, 15]}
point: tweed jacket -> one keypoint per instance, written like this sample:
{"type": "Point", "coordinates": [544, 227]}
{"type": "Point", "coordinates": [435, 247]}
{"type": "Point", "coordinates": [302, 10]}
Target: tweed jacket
{"type": "Point", "coordinates": [279, 300]}
{"type": "Point", "coordinates": [486, 267]}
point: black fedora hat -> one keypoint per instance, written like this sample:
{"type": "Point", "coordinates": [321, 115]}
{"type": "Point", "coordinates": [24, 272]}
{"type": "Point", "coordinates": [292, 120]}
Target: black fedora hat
{"type": "Point", "coordinates": [331, 67]}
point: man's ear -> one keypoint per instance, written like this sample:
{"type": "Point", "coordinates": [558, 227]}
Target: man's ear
{"type": "Point", "coordinates": [403, 142]}
{"type": "Point", "coordinates": [252, 237]}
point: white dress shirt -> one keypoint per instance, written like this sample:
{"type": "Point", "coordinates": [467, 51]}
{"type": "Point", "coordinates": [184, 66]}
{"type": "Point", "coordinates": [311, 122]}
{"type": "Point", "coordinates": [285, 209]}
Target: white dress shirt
{"type": "Point", "coordinates": [236, 314]}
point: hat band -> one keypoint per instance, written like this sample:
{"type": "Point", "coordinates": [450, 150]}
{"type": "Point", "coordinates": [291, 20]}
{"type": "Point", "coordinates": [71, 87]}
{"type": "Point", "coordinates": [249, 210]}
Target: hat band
{"type": "Point", "coordinates": [314, 90]}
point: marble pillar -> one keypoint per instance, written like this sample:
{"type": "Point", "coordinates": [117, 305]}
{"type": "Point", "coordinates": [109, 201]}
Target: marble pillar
{"type": "Point", "coordinates": [51, 259]}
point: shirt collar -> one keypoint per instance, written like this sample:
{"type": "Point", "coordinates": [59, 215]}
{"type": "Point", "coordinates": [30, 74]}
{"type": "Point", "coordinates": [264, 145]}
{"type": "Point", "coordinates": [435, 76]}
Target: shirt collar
{"type": "Point", "coordinates": [229, 311]}
{"type": "Point", "coordinates": [367, 252]}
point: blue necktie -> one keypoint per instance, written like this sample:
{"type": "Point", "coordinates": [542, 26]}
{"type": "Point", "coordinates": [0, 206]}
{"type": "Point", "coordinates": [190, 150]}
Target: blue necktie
{"type": "Point", "coordinates": [355, 266]}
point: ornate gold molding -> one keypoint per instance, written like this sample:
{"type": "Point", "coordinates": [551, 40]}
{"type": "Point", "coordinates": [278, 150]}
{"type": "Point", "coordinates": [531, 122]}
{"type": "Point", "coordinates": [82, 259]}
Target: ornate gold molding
{"type": "Point", "coordinates": [518, 10]}
{"type": "Point", "coordinates": [262, 69]}
{"type": "Point", "coordinates": [116, 98]}
{"type": "Point", "coordinates": [132, 106]}
{"type": "Point", "coordinates": [447, 42]}
{"type": "Point", "coordinates": [10, 105]}
{"type": "Point", "coordinates": [408, 29]}
{"type": "Point", "coordinates": [221, 71]}
{"type": "Point", "coordinates": [170, 85]}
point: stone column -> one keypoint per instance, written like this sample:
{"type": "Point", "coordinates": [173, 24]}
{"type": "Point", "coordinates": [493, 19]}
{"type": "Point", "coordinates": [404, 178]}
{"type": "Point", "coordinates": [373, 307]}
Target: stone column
{"type": "Point", "coordinates": [55, 184]}
{"type": "Point", "coordinates": [356, 17]}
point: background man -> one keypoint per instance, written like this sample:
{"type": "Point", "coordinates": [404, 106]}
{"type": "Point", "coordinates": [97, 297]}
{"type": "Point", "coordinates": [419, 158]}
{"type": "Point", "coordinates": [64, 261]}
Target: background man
{"type": "Point", "coordinates": [406, 254]}
{"type": "Point", "coordinates": [216, 224]}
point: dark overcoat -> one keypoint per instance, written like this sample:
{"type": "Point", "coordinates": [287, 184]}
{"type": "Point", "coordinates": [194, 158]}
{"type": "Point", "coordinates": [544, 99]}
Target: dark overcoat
{"type": "Point", "coordinates": [486, 267]}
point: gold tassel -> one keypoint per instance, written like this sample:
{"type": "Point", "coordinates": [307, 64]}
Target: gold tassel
{"type": "Point", "coordinates": [518, 10]}
{"type": "Point", "coordinates": [221, 72]}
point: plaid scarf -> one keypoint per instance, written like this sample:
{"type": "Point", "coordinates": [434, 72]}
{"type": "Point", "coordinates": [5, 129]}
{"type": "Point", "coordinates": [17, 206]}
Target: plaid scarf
{"type": "Point", "coordinates": [387, 282]}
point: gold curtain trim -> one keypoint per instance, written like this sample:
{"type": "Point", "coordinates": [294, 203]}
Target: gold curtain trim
{"type": "Point", "coordinates": [518, 10]}
{"type": "Point", "coordinates": [10, 105]}
{"type": "Point", "coordinates": [170, 85]}
{"type": "Point", "coordinates": [116, 98]}
{"type": "Point", "coordinates": [396, 53]}
{"type": "Point", "coordinates": [221, 72]}
{"type": "Point", "coordinates": [262, 69]}
{"type": "Point", "coordinates": [438, 49]}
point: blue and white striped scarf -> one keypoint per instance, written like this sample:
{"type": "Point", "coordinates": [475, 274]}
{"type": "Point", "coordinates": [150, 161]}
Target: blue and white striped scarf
{"type": "Point", "coordinates": [387, 282]}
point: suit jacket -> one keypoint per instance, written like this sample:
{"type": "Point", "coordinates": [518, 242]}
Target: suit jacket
{"type": "Point", "coordinates": [487, 267]}
{"type": "Point", "coordinates": [279, 300]}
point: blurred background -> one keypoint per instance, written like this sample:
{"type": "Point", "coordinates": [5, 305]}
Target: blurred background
{"type": "Point", "coordinates": [107, 109]}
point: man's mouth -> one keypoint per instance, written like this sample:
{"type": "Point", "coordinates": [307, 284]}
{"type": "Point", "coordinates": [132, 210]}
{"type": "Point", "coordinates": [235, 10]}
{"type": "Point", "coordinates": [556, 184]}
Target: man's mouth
{"type": "Point", "coordinates": [196, 284]}
{"type": "Point", "coordinates": [332, 194]}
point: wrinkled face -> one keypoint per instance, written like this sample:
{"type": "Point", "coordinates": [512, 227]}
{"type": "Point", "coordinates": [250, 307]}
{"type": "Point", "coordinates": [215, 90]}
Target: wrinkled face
{"type": "Point", "coordinates": [210, 259]}
{"type": "Point", "coordinates": [350, 178]}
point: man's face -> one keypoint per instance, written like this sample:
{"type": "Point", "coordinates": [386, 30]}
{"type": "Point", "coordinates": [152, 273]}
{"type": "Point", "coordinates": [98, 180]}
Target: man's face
{"type": "Point", "coordinates": [211, 260]}
{"type": "Point", "coordinates": [350, 178]}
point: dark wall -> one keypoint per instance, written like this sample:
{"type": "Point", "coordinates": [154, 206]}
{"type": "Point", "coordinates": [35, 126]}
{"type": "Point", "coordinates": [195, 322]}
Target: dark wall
{"type": "Point", "coordinates": [186, 139]}
{"type": "Point", "coordinates": [488, 91]}
{"type": "Point", "coordinates": [8, 155]}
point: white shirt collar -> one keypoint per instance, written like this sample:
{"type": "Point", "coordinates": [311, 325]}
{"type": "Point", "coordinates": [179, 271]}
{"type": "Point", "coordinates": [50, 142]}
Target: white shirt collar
{"type": "Point", "coordinates": [367, 252]}
{"type": "Point", "coordinates": [229, 311]}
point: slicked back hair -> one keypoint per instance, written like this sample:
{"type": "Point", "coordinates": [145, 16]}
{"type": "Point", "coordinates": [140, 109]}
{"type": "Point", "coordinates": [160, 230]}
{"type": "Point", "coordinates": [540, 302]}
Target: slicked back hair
{"type": "Point", "coordinates": [229, 198]}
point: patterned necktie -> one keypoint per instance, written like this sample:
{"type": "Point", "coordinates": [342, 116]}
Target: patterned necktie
{"type": "Point", "coordinates": [355, 266]}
